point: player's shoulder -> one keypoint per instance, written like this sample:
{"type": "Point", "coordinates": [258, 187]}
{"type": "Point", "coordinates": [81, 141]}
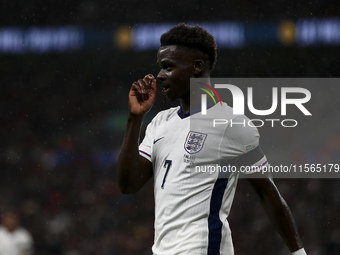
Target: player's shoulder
{"type": "Point", "coordinates": [165, 115]}
{"type": "Point", "coordinates": [239, 128]}
{"type": "Point", "coordinates": [224, 111]}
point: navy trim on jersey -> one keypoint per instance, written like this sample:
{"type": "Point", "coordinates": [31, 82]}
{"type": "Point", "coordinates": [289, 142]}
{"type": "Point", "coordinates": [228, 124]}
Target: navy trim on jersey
{"type": "Point", "coordinates": [248, 159]}
{"type": "Point", "coordinates": [214, 222]}
{"type": "Point", "coordinates": [181, 114]}
{"type": "Point", "coordinates": [143, 152]}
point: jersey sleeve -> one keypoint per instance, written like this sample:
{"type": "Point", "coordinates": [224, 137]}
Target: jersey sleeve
{"type": "Point", "coordinates": [145, 148]}
{"type": "Point", "coordinates": [241, 145]}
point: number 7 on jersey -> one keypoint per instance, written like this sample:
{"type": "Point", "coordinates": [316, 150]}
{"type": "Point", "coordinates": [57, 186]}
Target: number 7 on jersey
{"type": "Point", "coordinates": [167, 165]}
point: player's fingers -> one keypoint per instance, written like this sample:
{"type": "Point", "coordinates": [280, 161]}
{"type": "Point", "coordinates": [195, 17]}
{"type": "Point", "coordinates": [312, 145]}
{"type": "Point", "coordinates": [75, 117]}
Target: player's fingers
{"type": "Point", "coordinates": [148, 82]}
{"type": "Point", "coordinates": [144, 88]}
{"type": "Point", "coordinates": [136, 88]}
{"type": "Point", "coordinates": [153, 84]}
{"type": "Point", "coordinates": [137, 91]}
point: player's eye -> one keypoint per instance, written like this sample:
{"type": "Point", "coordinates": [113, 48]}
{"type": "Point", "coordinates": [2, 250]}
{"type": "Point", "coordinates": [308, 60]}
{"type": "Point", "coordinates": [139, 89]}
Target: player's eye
{"type": "Point", "coordinates": [167, 68]}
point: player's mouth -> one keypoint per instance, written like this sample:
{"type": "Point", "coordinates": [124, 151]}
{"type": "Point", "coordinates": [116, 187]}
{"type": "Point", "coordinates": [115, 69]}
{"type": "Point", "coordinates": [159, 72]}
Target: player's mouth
{"type": "Point", "coordinates": [165, 89]}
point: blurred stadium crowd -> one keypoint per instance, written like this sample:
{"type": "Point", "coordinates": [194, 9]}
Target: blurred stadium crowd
{"type": "Point", "coordinates": [103, 12]}
{"type": "Point", "coordinates": [63, 117]}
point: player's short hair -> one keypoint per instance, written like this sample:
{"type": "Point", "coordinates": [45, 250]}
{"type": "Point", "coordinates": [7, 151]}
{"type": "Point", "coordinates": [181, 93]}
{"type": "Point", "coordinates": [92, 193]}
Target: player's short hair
{"type": "Point", "coordinates": [192, 37]}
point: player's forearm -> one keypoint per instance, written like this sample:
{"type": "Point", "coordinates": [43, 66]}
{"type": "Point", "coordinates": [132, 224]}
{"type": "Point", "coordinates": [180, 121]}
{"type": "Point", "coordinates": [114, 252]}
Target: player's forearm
{"type": "Point", "coordinates": [281, 216]}
{"type": "Point", "coordinates": [128, 161]}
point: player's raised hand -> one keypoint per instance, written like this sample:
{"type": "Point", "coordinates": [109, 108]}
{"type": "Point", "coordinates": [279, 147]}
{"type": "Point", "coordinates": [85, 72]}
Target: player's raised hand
{"type": "Point", "coordinates": [142, 95]}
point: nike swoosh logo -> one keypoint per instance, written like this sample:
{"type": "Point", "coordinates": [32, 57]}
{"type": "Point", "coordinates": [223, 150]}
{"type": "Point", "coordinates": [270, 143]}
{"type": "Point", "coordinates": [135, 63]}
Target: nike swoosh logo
{"type": "Point", "coordinates": [155, 141]}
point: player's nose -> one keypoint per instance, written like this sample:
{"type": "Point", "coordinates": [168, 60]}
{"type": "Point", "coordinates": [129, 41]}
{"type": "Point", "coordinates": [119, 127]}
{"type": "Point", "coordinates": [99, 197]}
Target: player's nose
{"type": "Point", "coordinates": [161, 75]}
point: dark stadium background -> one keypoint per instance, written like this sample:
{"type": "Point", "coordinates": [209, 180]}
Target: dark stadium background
{"type": "Point", "coordinates": [63, 116]}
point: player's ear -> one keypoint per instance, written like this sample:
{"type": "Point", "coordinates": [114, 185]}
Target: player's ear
{"type": "Point", "coordinates": [198, 67]}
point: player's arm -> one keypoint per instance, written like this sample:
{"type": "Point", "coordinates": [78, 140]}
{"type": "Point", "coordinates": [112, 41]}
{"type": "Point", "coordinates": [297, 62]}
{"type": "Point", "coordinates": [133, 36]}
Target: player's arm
{"type": "Point", "coordinates": [246, 138]}
{"type": "Point", "coordinates": [278, 212]}
{"type": "Point", "coordinates": [133, 170]}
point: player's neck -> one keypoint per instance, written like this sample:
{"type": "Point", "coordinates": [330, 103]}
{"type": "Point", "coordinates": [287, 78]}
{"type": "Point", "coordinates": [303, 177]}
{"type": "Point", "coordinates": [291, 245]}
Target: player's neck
{"type": "Point", "coordinates": [190, 103]}
{"type": "Point", "coordinates": [185, 105]}
{"type": "Point", "coordinates": [193, 99]}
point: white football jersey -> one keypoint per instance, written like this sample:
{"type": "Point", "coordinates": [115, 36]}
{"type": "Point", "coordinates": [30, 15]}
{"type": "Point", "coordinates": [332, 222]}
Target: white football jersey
{"type": "Point", "coordinates": [17, 242]}
{"type": "Point", "coordinates": [192, 202]}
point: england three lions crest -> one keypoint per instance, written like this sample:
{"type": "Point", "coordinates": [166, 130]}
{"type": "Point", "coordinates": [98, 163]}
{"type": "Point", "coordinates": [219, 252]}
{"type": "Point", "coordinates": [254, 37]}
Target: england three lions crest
{"type": "Point", "coordinates": [194, 142]}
